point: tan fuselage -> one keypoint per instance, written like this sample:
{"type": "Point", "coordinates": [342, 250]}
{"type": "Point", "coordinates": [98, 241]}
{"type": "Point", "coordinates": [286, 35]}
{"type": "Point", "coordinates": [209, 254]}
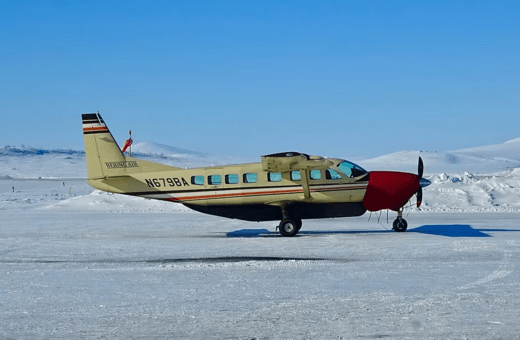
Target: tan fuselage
{"type": "Point", "coordinates": [177, 185]}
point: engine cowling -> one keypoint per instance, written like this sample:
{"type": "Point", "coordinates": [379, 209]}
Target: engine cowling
{"type": "Point", "coordinates": [390, 190]}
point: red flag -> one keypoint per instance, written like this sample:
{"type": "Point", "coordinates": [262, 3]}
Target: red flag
{"type": "Point", "coordinates": [127, 144]}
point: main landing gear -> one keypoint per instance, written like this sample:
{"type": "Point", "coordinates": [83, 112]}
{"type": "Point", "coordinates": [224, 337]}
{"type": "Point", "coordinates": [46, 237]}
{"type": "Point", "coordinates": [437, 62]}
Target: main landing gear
{"type": "Point", "coordinates": [290, 227]}
{"type": "Point", "coordinates": [400, 224]}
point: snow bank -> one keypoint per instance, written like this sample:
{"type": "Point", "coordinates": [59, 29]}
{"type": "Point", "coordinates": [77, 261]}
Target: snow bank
{"type": "Point", "coordinates": [103, 201]}
{"type": "Point", "coordinates": [473, 193]}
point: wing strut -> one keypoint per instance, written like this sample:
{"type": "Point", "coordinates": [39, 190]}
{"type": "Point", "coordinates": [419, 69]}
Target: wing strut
{"type": "Point", "coordinates": [305, 183]}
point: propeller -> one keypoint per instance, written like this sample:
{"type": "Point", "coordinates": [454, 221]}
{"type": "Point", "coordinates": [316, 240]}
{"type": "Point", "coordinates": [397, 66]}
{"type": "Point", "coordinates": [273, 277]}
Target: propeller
{"type": "Point", "coordinates": [420, 171]}
{"type": "Point", "coordinates": [419, 197]}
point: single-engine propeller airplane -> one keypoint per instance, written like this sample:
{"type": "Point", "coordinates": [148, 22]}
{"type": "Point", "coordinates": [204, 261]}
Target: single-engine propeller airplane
{"type": "Point", "coordinates": [288, 186]}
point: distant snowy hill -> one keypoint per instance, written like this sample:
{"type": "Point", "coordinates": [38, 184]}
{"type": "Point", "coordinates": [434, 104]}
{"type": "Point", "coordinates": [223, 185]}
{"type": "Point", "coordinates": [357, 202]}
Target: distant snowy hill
{"type": "Point", "coordinates": [34, 163]}
{"type": "Point", "coordinates": [161, 150]}
{"type": "Point", "coordinates": [181, 157]}
{"type": "Point", "coordinates": [30, 151]}
{"type": "Point", "coordinates": [483, 159]}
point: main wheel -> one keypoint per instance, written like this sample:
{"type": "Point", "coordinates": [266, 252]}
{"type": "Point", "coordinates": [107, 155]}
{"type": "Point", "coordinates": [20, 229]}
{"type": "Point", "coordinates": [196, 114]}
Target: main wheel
{"type": "Point", "coordinates": [298, 223]}
{"type": "Point", "coordinates": [289, 227]}
{"type": "Point", "coordinates": [400, 225]}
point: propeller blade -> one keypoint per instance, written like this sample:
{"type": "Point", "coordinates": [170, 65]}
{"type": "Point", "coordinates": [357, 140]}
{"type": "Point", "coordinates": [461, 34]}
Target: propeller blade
{"type": "Point", "coordinates": [419, 197]}
{"type": "Point", "coordinates": [421, 168]}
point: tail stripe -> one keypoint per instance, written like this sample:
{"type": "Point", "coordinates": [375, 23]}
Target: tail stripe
{"type": "Point", "coordinates": [93, 123]}
{"type": "Point", "coordinates": [91, 130]}
{"type": "Point", "coordinates": [92, 117]}
{"type": "Point", "coordinates": [90, 121]}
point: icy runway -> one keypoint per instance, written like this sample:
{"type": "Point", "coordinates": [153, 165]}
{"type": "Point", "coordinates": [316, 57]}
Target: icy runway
{"type": "Point", "coordinates": [77, 263]}
{"type": "Point", "coordinates": [66, 273]}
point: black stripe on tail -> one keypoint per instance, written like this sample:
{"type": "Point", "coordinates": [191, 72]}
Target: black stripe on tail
{"type": "Point", "coordinates": [92, 118]}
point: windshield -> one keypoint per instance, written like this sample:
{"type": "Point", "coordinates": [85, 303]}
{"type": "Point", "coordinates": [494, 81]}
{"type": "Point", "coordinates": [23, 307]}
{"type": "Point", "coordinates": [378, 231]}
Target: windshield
{"type": "Point", "coordinates": [351, 169]}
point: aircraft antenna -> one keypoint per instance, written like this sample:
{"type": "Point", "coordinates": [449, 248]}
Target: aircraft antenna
{"type": "Point", "coordinates": [130, 147]}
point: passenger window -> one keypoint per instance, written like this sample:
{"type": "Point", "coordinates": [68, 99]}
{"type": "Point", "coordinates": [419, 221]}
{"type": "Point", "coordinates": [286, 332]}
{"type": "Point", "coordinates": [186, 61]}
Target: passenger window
{"type": "Point", "coordinates": [315, 174]}
{"type": "Point", "coordinates": [197, 180]}
{"type": "Point", "coordinates": [249, 178]}
{"type": "Point", "coordinates": [215, 179]}
{"type": "Point", "coordinates": [231, 179]}
{"type": "Point", "coordinates": [296, 176]}
{"type": "Point", "coordinates": [332, 174]}
{"type": "Point", "coordinates": [274, 177]}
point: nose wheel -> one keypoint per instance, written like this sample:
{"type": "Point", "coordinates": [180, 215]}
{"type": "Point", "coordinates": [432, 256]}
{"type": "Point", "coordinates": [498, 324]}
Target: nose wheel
{"type": "Point", "coordinates": [400, 225]}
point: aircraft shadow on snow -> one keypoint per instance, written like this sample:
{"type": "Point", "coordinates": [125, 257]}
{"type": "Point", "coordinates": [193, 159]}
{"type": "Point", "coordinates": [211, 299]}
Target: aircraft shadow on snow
{"type": "Point", "coordinates": [448, 230]}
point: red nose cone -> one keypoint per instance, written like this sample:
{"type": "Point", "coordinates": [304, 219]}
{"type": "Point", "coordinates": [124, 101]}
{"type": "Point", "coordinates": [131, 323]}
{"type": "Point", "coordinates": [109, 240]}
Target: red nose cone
{"type": "Point", "coordinates": [389, 190]}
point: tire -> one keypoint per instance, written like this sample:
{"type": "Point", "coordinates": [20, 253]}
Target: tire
{"type": "Point", "coordinates": [298, 223]}
{"type": "Point", "coordinates": [289, 228]}
{"type": "Point", "coordinates": [400, 225]}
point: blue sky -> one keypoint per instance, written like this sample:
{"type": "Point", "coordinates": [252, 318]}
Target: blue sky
{"type": "Point", "coordinates": [335, 78]}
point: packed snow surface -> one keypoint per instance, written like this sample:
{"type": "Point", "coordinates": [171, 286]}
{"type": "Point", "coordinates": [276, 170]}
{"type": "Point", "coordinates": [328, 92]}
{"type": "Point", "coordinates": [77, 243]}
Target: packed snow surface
{"type": "Point", "coordinates": [90, 273]}
{"type": "Point", "coordinates": [79, 263]}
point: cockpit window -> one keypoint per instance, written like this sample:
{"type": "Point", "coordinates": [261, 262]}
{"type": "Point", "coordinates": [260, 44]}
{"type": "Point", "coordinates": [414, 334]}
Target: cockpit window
{"type": "Point", "coordinates": [351, 169]}
{"type": "Point", "coordinates": [332, 174]}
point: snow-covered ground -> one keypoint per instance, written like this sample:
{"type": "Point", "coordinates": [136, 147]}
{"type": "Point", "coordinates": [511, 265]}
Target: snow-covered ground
{"type": "Point", "coordinates": [79, 263]}
{"type": "Point", "coordinates": [93, 274]}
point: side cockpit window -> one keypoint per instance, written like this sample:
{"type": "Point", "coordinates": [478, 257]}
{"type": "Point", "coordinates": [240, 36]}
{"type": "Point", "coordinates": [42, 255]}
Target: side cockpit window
{"type": "Point", "coordinates": [332, 174]}
{"type": "Point", "coordinates": [351, 169]}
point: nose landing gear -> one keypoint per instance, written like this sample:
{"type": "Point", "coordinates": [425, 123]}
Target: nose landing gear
{"type": "Point", "coordinates": [400, 225]}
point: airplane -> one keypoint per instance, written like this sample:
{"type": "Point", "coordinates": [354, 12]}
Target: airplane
{"type": "Point", "coordinates": [287, 187]}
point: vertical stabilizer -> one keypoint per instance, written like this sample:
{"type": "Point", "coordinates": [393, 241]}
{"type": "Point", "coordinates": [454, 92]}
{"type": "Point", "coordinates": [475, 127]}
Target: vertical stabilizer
{"type": "Point", "coordinates": [104, 157]}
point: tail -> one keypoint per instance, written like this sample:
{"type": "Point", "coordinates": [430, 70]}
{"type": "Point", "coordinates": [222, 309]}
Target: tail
{"type": "Point", "coordinates": [104, 157]}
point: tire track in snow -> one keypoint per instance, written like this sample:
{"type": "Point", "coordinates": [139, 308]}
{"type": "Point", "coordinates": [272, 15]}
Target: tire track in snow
{"type": "Point", "coordinates": [505, 268]}
{"type": "Point", "coordinates": [212, 260]}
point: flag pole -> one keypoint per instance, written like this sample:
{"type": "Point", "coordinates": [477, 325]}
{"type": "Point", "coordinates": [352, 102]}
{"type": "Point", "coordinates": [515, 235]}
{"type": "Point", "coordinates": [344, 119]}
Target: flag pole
{"type": "Point", "coordinates": [130, 148]}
